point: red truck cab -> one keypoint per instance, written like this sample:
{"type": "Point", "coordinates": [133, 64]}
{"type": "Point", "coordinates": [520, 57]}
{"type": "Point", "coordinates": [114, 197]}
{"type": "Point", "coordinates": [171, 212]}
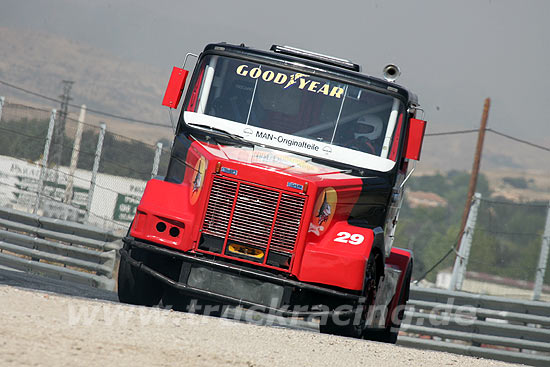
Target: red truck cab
{"type": "Point", "coordinates": [282, 193]}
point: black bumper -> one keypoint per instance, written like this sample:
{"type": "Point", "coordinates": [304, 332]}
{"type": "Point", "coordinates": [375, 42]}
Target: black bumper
{"type": "Point", "coordinates": [190, 261]}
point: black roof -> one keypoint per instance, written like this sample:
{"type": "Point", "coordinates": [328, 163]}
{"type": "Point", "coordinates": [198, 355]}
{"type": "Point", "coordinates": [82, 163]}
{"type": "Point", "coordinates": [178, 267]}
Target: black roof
{"type": "Point", "coordinates": [289, 60]}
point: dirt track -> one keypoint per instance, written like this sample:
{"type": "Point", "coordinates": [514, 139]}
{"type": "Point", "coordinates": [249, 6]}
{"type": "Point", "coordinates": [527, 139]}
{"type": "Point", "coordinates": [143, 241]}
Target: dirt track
{"type": "Point", "coordinates": [41, 329]}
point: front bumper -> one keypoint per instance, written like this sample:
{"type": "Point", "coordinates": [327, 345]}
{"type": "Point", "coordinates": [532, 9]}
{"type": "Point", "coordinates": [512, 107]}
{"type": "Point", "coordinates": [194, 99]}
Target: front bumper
{"type": "Point", "coordinates": [195, 267]}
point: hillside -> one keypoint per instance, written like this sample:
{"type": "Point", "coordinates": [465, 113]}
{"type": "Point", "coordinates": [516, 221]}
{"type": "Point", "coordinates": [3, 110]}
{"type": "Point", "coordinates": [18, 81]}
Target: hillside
{"type": "Point", "coordinates": [457, 151]}
{"type": "Point", "coordinates": [39, 62]}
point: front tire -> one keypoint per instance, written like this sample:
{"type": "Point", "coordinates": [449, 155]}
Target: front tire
{"type": "Point", "coordinates": [136, 287]}
{"type": "Point", "coordinates": [349, 327]}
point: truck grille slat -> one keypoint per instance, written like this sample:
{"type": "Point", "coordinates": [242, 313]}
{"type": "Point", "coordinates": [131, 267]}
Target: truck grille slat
{"type": "Point", "coordinates": [219, 208]}
{"type": "Point", "coordinates": [248, 213]}
{"type": "Point", "coordinates": [287, 223]}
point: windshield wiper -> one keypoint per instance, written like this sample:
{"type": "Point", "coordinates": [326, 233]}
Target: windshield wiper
{"type": "Point", "coordinates": [222, 132]}
{"type": "Point", "coordinates": [351, 170]}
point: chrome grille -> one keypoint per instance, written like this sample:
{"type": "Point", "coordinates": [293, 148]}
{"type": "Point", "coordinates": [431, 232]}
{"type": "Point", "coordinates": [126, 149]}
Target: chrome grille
{"type": "Point", "coordinates": [287, 223]}
{"type": "Point", "coordinates": [220, 203]}
{"type": "Point", "coordinates": [254, 215]}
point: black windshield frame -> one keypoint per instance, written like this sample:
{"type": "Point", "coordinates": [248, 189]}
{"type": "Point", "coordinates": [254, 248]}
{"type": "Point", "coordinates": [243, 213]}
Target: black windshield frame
{"type": "Point", "coordinates": [297, 65]}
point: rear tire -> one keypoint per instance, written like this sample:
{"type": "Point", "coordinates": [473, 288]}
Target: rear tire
{"type": "Point", "coordinates": [136, 287]}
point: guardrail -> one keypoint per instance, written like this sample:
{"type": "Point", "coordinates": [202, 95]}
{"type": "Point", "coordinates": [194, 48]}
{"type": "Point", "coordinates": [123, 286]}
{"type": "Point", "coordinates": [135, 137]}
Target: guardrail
{"type": "Point", "coordinates": [477, 325]}
{"type": "Point", "coordinates": [457, 322]}
{"type": "Point", "coordinates": [58, 248]}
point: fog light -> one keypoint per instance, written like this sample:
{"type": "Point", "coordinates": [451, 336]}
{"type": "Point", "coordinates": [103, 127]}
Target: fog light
{"type": "Point", "coordinates": [174, 231]}
{"type": "Point", "coordinates": [161, 227]}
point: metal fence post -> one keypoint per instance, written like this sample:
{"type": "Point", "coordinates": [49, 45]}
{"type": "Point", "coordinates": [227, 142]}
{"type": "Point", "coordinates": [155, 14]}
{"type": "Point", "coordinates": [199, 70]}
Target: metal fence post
{"type": "Point", "coordinates": [461, 261]}
{"type": "Point", "coordinates": [156, 161]}
{"type": "Point", "coordinates": [543, 259]}
{"type": "Point", "coordinates": [44, 163]}
{"type": "Point", "coordinates": [94, 170]}
{"type": "Point", "coordinates": [1, 106]}
{"type": "Point", "coordinates": [74, 157]}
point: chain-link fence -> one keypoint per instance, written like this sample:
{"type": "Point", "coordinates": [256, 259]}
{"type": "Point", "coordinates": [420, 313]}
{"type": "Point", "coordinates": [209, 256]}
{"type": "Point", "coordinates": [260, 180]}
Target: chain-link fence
{"type": "Point", "coordinates": [23, 136]}
{"type": "Point", "coordinates": [85, 173]}
{"type": "Point", "coordinates": [506, 248]}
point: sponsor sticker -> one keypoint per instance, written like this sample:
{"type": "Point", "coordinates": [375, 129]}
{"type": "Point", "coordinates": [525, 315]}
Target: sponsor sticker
{"type": "Point", "coordinates": [289, 141]}
{"type": "Point", "coordinates": [283, 160]}
{"type": "Point", "coordinates": [323, 211]}
{"type": "Point", "coordinates": [246, 250]}
{"type": "Point", "coordinates": [197, 179]}
{"type": "Point", "coordinates": [229, 171]}
{"type": "Point", "coordinates": [297, 80]}
{"type": "Point", "coordinates": [295, 185]}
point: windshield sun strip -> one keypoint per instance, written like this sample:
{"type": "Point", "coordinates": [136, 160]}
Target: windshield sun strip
{"type": "Point", "coordinates": [296, 67]}
{"type": "Point", "coordinates": [303, 68]}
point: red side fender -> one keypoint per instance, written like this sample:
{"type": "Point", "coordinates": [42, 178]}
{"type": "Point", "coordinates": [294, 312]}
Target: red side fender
{"type": "Point", "coordinates": [401, 259]}
{"type": "Point", "coordinates": [339, 258]}
{"type": "Point", "coordinates": [167, 203]}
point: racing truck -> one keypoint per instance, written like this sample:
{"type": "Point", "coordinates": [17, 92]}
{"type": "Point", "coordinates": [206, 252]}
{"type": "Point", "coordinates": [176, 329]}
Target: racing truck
{"type": "Point", "coordinates": [282, 193]}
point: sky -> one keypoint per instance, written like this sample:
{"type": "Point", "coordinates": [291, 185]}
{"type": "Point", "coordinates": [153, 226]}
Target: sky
{"type": "Point", "coordinates": [452, 54]}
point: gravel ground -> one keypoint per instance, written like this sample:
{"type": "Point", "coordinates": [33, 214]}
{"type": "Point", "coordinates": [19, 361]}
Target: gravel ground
{"type": "Point", "coordinates": [44, 329]}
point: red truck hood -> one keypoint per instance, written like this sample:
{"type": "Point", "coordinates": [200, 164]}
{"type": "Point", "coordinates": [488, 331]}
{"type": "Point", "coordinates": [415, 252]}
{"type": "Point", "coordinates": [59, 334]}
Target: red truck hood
{"type": "Point", "coordinates": [278, 161]}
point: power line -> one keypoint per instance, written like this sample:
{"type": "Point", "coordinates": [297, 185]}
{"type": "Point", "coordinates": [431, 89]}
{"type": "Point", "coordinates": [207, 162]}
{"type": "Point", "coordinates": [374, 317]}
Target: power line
{"type": "Point", "coordinates": [30, 92]}
{"type": "Point", "coordinates": [459, 132]}
{"type": "Point", "coordinates": [444, 133]}
{"type": "Point", "coordinates": [451, 250]}
{"type": "Point", "coordinates": [507, 233]}
{"type": "Point", "coordinates": [57, 170]}
{"type": "Point", "coordinates": [453, 132]}
{"type": "Point", "coordinates": [88, 109]}
{"type": "Point", "coordinates": [518, 140]}
{"type": "Point", "coordinates": [22, 134]}
{"type": "Point", "coordinates": [104, 159]}
{"type": "Point", "coordinates": [513, 203]}
{"type": "Point", "coordinates": [27, 107]}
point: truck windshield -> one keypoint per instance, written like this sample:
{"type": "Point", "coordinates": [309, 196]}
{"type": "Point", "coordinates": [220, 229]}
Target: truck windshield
{"type": "Point", "coordinates": [329, 118]}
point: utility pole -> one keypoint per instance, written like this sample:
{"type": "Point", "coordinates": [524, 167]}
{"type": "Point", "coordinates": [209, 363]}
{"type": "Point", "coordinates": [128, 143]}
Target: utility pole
{"type": "Point", "coordinates": [59, 133]}
{"type": "Point", "coordinates": [475, 169]}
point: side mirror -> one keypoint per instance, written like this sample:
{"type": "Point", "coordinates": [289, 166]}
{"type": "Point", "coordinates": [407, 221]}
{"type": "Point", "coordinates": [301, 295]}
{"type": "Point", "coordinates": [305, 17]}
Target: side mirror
{"type": "Point", "coordinates": [175, 87]}
{"type": "Point", "coordinates": [416, 137]}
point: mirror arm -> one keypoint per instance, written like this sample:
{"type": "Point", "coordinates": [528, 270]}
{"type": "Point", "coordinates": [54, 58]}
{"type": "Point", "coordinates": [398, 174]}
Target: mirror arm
{"type": "Point", "coordinates": [408, 175]}
{"type": "Point", "coordinates": [187, 56]}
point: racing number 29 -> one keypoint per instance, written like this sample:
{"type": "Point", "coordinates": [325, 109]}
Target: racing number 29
{"type": "Point", "coordinates": [352, 239]}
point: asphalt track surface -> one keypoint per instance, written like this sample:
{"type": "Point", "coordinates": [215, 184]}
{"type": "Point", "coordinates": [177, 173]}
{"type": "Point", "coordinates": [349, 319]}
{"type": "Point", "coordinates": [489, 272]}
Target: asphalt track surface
{"type": "Point", "coordinates": [45, 322]}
